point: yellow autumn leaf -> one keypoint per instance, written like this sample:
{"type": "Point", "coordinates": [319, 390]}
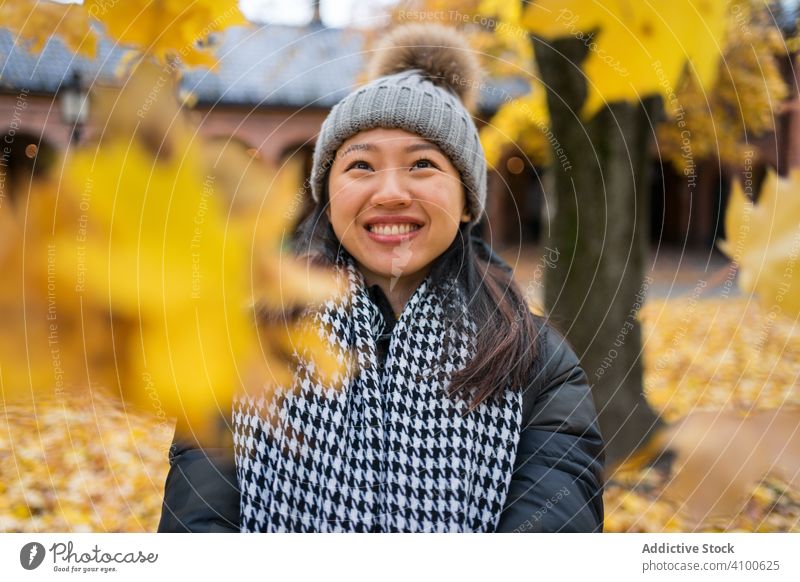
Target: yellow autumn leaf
{"type": "Point", "coordinates": [168, 29]}
{"type": "Point", "coordinates": [549, 19]}
{"type": "Point", "coordinates": [285, 341]}
{"type": "Point", "coordinates": [635, 49]}
{"type": "Point", "coordinates": [764, 241]}
{"type": "Point", "coordinates": [721, 455]}
{"type": "Point", "coordinates": [280, 284]}
{"type": "Point", "coordinates": [155, 250]}
{"type": "Point", "coordinates": [45, 327]}
{"type": "Point", "coordinates": [14, 378]}
{"type": "Point", "coordinates": [146, 107]}
{"type": "Point", "coordinates": [34, 22]}
{"type": "Point", "coordinates": [140, 253]}
{"type": "Point", "coordinates": [128, 238]}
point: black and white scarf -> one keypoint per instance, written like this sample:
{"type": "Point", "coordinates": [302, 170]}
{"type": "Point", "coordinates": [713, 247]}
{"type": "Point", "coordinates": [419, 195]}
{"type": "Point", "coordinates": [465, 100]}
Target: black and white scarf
{"type": "Point", "coordinates": [388, 451]}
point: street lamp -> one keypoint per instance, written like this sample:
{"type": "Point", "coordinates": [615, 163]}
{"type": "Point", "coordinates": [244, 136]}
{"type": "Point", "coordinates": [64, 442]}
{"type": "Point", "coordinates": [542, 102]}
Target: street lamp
{"type": "Point", "coordinates": [74, 105]}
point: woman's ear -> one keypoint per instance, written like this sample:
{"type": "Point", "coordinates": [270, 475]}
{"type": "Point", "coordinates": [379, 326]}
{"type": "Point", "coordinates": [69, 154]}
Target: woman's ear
{"type": "Point", "coordinates": [466, 216]}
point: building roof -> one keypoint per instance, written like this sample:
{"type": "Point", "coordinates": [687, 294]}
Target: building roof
{"type": "Point", "coordinates": [266, 65]}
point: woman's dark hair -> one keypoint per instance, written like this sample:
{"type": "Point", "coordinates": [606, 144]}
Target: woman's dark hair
{"type": "Point", "coordinates": [507, 341]}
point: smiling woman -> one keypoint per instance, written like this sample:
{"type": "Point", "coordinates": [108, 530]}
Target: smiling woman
{"type": "Point", "coordinates": [396, 204]}
{"type": "Point", "coordinates": [461, 410]}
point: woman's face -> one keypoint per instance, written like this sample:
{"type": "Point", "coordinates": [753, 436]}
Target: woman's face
{"type": "Point", "coordinates": [396, 203]}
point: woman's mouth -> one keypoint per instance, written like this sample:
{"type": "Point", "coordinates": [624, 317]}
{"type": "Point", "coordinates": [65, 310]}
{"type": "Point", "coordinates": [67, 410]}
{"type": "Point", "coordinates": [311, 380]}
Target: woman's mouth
{"type": "Point", "coordinates": [392, 233]}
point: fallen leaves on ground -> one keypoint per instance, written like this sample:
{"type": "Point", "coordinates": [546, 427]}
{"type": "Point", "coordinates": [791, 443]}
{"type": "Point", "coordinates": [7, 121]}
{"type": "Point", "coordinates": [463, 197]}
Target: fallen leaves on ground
{"type": "Point", "coordinates": [81, 463]}
{"type": "Point", "coordinates": [722, 362]}
{"type": "Point", "coordinates": [87, 464]}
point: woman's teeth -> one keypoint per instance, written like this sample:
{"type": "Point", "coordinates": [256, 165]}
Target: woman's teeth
{"type": "Point", "coordinates": [393, 229]}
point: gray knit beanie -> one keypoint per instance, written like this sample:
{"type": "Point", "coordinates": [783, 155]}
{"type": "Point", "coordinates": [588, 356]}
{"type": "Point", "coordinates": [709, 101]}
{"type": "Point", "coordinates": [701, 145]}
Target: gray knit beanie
{"type": "Point", "coordinates": [426, 79]}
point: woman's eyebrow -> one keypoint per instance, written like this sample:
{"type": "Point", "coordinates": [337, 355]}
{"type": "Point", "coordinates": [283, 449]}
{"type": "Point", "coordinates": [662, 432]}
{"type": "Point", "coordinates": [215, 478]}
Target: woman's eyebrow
{"type": "Point", "coordinates": [419, 146]}
{"type": "Point", "coordinates": [358, 147]}
{"type": "Point", "coordinates": [423, 145]}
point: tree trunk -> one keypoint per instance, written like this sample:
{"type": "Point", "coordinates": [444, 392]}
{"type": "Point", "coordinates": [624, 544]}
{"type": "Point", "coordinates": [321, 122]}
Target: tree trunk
{"type": "Point", "coordinates": [600, 234]}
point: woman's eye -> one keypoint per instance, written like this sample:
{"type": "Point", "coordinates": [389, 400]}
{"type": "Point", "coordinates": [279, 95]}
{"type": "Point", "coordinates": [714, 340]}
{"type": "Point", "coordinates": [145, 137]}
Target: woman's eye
{"type": "Point", "coordinates": [424, 164]}
{"type": "Point", "coordinates": [359, 165]}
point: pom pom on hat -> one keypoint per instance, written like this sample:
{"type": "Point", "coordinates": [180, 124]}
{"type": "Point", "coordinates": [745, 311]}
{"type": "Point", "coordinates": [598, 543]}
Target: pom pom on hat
{"type": "Point", "coordinates": [440, 52]}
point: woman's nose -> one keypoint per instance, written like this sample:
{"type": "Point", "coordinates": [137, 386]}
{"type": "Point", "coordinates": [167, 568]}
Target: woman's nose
{"type": "Point", "coordinates": [392, 191]}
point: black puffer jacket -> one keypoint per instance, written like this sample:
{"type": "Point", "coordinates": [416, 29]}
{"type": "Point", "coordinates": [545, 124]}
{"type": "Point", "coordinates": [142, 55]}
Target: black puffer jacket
{"type": "Point", "coordinates": [556, 485]}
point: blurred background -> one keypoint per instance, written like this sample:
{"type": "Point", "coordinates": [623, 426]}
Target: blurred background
{"type": "Point", "coordinates": [645, 186]}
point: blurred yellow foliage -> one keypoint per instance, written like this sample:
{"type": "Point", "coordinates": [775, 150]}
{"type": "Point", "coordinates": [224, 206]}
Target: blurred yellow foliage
{"type": "Point", "coordinates": [132, 276]}
{"type": "Point", "coordinates": [721, 104]}
{"type": "Point", "coordinates": [164, 29]}
{"type": "Point", "coordinates": [741, 106]}
{"type": "Point", "coordinates": [168, 29]}
{"type": "Point", "coordinates": [34, 22]}
{"type": "Point", "coordinates": [635, 49]}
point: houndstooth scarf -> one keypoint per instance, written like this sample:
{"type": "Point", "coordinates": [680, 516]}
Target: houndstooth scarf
{"type": "Point", "coordinates": [385, 452]}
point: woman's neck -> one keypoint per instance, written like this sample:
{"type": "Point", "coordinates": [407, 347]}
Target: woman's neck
{"type": "Point", "coordinates": [397, 289]}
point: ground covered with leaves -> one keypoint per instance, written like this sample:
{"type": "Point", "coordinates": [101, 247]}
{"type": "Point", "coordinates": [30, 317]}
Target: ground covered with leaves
{"type": "Point", "coordinates": [723, 356]}
{"type": "Point", "coordinates": [81, 464]}
{"type": "Point", "coordinates": [85, 463]}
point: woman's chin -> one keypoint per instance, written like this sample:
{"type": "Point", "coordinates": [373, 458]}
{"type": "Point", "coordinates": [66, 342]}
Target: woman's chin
{"type": "Point", "coordinates": [388, 270]}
